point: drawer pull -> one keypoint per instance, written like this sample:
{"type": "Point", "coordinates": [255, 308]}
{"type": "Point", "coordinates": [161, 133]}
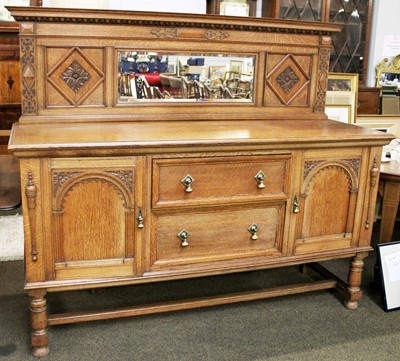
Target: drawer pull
{"type": "Point", "coordinates": [260, 177]}
{"type": "Point", "coordinates": [187, 181]}
{"type": "Point", "coordinates": [184, 235]}
{"type": "Point", "coordinates": [253, 229]}
{"type": "Point", "coordinates": [140, 219]}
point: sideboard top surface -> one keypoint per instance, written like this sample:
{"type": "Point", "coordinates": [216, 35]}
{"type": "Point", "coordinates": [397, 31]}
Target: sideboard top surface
{"type": "Point", "coordinates": [165, 136]}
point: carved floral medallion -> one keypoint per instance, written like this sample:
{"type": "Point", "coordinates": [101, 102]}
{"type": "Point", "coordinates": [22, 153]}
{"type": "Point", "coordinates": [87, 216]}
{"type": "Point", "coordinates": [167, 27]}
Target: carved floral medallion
{"type": "Point", "coordinates": [287, 79]}
{"type": "Point", "coordinates": [75, 76]}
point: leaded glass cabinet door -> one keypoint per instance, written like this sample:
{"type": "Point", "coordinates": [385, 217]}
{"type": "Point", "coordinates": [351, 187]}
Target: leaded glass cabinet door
{"type": "Point", "coordinates": [349, 52]}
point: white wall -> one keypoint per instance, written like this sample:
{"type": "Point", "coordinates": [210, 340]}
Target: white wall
{"type": "Point", "coordinates": [177, 6]}
{"type": "Point", "coordinates": [385, 21]}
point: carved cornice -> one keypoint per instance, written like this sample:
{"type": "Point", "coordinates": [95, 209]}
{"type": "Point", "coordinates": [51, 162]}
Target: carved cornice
{"type": "Point", "coordinates": [170, 24]}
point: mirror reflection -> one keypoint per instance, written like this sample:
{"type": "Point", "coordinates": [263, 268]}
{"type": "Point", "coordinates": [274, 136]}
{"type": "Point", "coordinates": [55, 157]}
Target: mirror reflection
{"type": "Point", "coordinates": [144, 76]}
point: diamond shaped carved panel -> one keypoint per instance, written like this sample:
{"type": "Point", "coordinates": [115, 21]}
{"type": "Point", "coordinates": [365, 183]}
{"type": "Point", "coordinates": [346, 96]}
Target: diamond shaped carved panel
{"type": "Point", "coordinates": [75, 77]}
{"type": "Point", "coordinates": [287, 79]}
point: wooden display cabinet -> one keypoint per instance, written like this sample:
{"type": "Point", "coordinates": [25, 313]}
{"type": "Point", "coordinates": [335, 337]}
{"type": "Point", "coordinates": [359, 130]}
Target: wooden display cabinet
{"type": "Point", "coordinates": [126, 182]}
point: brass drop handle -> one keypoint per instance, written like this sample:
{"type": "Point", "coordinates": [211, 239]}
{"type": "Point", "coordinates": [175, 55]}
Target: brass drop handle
{"type": "Point", "coordinates": [296, 208]}
{"type": "Point", "coordinates": [140, 219]}
{"type": "Point", "coordinates": [260, 178]}
{"type": "Point", "coordinates": [253, 229]}
{"type": "Point", "coordinates": [184, 235]}
{"type": "Point", "coordinates": [187, 181]}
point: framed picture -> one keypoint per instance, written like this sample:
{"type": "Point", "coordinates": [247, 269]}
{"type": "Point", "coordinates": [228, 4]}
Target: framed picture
{"type": "Point", "coordinates": [236, 66]}
{"type": "Point", "coordinates": [385, 123]}
{"type": "Point", "coordinates": [217, 72]}
{"type": "Point", "coordinates": [343, 82]}
{"type": "Point", "coordinates": [389, 262]}
{"type": "Point", "coordinates": [339, 112]}
{"type": "Point", "coordinates": [343, 89]}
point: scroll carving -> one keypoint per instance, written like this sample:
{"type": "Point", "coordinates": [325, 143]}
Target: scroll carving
{"type": "Point", "coordinates": [29, 102]}
{"type": "Point", "coordinates": [31, 192]}
{"type": "Point", "coordinates": [126, 176]}
{"type": "Point", "coordinates": [60, 178]}
{"type": "Point", "coordinates": [374, 173]}
{"type": "Point", "coordinates": [75, 76]}
{"type": "Point", "coordinates": [165, 33]}
{"type": "Point", "coordinates": [354, 163]}
{"type": "Point", "coordinates": [287, 79]}
{"type": "Point", "coordinates": [212, 34]}
{"type": "Point", "coordinates": [323, 69]}
{"type": "Point", "coordinates": [309, 166]}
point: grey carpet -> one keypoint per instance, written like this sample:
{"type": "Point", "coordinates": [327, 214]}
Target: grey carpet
{"type": "Point", "coordinates": [311, 326]}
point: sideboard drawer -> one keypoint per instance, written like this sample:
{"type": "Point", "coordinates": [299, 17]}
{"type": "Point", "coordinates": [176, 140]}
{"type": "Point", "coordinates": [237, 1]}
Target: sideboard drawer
{"type": "Point", "coordinates": [217, 235]}
{"type": "Point", "coordinates": [205, 180]}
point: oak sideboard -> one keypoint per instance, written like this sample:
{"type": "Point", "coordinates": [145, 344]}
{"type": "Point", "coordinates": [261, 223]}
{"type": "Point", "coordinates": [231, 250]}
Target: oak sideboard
{"type": "Point", "coordinates": [160, 147]}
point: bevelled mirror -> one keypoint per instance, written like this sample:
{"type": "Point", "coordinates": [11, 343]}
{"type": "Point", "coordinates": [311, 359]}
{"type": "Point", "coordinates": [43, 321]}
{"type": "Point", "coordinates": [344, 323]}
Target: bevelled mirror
{"type": "Point", "coordinates": [167, 77]}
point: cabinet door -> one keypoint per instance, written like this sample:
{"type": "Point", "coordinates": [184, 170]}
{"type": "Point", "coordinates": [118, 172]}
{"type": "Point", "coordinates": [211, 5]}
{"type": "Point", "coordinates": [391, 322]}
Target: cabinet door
{"type": "Point", "coordinates": [95, 203]}
{"type": "Point", "coordinates": [330, 201]}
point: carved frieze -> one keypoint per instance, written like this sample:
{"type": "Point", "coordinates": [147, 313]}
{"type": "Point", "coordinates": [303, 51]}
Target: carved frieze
{"type": "Point", "coordinates": [164, 33]}
{"type": "Point", "coordinates": [213, 34]}
{"type": "Point", "coordinates": [75, 76]}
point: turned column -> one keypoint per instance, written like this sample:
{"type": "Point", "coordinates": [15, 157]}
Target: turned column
{"type": "Point", "coordinates": [354, 292]}
{"type": "Point", "coordinates": [39, 337]}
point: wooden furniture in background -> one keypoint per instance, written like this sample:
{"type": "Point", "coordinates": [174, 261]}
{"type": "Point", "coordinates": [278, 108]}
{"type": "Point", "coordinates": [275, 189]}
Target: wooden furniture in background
{"type": "Point", "coordinates": [369, 100]}
{"type": "Point", "coordinates": [10, 92]}
{"type": "Point", "coordinates": [350, 48]}
{"type": "Point", "coordinates": [125, 193]}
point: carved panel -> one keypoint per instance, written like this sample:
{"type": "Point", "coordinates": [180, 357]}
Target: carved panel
{"type": "Point", "coordinates": [65, 182]}
{"type": "Point", "coordinates": [322, 82]}
{"type": "Point", "coordinates": [287, 80]}
{"type": "Point", "coordinates": [354, 163]}
{"type": "Point", "coordinates": [29, 101]}
{"type": "Point", "coordinates": [74, 77]}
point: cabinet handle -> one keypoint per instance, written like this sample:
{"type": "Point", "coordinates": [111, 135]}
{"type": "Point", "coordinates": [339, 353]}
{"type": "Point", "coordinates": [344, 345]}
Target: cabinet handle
{"type": "Point", "coordinates": [187, 181]}
{"type": "Point", "coordinates": [253, 229]}
{"type": "Point", "coordinates": [296, 208]}
{"type": "Point", "coordinates": [140, 219]}
{"type": "Point", "coordinates": [183, 236]}
{"type": "Point", "coordinates": [260, 177]}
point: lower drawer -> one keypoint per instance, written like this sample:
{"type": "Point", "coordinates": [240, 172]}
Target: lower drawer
{"type": "Point", "coordinates": [216, 235]}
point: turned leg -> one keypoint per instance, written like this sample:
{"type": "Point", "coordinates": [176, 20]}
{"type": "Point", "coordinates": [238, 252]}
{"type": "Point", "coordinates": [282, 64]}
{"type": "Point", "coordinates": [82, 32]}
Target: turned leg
{"type": "Point", "coordinates": [354, 292]}
{"type": "Point", "coordinates": [39, 337]}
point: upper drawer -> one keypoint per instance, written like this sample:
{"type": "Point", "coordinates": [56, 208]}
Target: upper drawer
{"type": "Point", "coordinates": [213, 180]}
